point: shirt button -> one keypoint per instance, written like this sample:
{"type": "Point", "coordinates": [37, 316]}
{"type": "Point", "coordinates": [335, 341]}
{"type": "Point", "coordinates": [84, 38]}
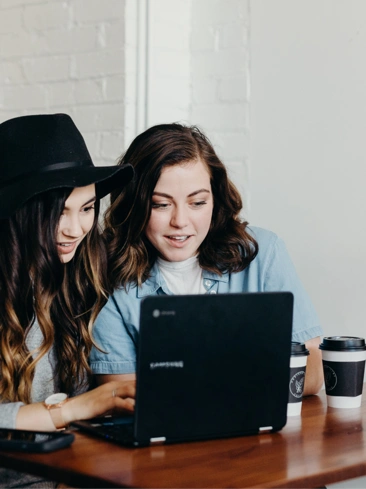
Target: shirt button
{"type": "Point", "coordinates": [212, 291]}
{"type": "Point", "coordinates": [208, 283]}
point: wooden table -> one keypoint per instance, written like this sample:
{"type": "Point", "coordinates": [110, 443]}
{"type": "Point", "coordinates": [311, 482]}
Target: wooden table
{"type": "Point", "coordinates": [322, 446]}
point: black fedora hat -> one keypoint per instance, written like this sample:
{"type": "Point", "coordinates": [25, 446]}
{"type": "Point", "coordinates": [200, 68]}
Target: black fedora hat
{"type": "Point", "coordinates": [47, 151]}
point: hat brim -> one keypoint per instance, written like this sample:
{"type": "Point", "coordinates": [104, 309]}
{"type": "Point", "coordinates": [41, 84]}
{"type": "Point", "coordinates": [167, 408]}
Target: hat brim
{"type": "Point", "coordinates": [106, 179]}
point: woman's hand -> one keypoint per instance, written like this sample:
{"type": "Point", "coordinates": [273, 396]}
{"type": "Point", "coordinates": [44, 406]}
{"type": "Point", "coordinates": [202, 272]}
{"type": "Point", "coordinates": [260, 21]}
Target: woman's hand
{"type": "Point", "coordinates": [113, 397]}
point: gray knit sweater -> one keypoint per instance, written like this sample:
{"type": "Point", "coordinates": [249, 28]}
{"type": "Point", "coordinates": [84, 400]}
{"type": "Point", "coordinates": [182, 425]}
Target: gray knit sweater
{"type": "Point", "coordinates": [44, 384]}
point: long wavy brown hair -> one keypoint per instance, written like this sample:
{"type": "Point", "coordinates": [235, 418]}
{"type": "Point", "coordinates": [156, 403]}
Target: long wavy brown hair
{"type": "Point", "coordinates": [34, 284]}
{"type": "Point", "coordinates": [228, 247]}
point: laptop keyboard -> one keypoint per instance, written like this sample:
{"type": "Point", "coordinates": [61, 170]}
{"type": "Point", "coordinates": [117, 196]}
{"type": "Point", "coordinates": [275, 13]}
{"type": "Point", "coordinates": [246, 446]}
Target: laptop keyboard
{"type": "Point", "coordinates": [122, 433]}
{"type": "Point", "coordinates": [119, 430]}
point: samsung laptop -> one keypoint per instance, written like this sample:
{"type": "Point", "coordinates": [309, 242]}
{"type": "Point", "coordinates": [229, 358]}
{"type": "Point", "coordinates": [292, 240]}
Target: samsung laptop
{"type": "Point", "coordinates": [208, 366]}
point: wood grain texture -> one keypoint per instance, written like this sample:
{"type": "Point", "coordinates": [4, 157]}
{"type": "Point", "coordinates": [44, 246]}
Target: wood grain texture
{"type": "Point", "coordinates": [320, 447]}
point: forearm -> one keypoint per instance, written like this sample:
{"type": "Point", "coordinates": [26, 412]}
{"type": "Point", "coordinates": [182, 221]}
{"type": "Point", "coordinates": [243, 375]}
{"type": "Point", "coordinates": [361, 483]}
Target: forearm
{"type": "Point", "coordinates": [113, 397]}
{"type": "Point", "coordinates": [34, 417]}
{"type": "Point", "coordinates": [314, 368]}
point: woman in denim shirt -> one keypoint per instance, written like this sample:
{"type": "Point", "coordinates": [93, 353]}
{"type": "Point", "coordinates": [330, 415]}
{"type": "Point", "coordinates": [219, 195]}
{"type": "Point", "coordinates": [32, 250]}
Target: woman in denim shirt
{"type": "Point", "coordinates": [176, 230]}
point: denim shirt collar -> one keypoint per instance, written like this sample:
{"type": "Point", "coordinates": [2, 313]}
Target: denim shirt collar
{"type": "Point", "coordinates": [156, 282]}
{"type": "Point", "coordinates": [153, 283]}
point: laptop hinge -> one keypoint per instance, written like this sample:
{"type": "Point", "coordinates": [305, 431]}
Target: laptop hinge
{"type": "Point", "coordinates": [265, 428]}
{"type": "Point", "coordinates": [158, 440]}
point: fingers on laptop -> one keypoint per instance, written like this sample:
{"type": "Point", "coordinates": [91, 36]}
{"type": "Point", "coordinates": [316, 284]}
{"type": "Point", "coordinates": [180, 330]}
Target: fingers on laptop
{"type": "Point", "coordinates": [123, 389]}
{"type": "Point", "coordinates": [107, 398]}
{"type": "Point", "coordinates": [125, 405]}
{"type": "Point", "coordinates": [124, 394]}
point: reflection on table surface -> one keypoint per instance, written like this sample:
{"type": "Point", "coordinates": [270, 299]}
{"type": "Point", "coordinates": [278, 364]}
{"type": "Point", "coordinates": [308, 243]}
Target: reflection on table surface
{"type": "Point", "coordinates": [320, 447]}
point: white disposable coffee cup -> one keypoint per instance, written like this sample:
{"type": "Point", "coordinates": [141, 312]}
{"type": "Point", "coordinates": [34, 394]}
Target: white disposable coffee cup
{"type": "Point", "coordinates": [298, 360]}
{"type": "Point", "coordinates": [344, 366]}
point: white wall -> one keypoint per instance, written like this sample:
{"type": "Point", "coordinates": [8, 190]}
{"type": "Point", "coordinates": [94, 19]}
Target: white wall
{"type": "Point", "coordinates": [168, 60]}
{"type": "Point", "coordinates": [220, 80]}
{"type": "Point", "coordinates": [198, 73]}
{"type": "Point", "coordinates": [308, 151]}
{"type": "Point", "coordinates": [67, 56]}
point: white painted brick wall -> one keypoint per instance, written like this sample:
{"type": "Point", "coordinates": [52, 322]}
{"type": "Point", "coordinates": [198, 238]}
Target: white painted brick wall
{"type": "Point", "coordinates": [220, 81]}
{"type": "Point", "coordinates": [198, 73]}
{"type": "Point", "coordinates": [82, 57]}
{"type": "Point", "coordinates": [169, 61]}
{"type": "Point", "coordinates": [67, 56]}
{"type": "Point", "coordinates": [40, 18]}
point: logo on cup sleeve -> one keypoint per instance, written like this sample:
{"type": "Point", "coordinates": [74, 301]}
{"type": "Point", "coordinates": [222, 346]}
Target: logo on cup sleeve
{"type": "Point", "coordinates": [330, 377]}
{"type": "Point", "coordinates": [297, 384]}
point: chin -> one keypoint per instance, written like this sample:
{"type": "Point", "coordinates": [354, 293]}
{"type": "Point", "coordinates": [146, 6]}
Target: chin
{"type": "Point", "coordinates": [66, 259]}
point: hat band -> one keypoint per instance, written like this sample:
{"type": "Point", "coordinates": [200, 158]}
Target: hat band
{"type": "Point", "coordinates": [45, 169]}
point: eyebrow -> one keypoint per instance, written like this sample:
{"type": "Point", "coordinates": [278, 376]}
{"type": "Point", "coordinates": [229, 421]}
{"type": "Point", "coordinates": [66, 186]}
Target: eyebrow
{"type": "Point", "coordinates": [93, 199]}
{"type": "Point", "coordinates": [161, 194]}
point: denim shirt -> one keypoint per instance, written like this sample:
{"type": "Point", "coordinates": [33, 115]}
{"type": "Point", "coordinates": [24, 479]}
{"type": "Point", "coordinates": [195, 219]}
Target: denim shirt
{"type": "Point", "coordinates": [116, 328]}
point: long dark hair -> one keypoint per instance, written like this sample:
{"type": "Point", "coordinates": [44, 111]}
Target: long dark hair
{"type": "Point", "coordinates": [34, 284]}
{"type": "Point", "coordinates": [228, 247]}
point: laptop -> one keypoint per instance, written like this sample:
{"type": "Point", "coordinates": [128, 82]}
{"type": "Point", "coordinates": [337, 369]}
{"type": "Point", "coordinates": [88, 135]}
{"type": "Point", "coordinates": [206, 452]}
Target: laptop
{"type": "Point", "coordinates": [208, 366]}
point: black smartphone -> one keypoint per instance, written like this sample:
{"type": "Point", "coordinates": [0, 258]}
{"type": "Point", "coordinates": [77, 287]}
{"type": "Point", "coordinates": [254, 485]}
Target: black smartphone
{"type": "Point", "coordinates": [34, 441]}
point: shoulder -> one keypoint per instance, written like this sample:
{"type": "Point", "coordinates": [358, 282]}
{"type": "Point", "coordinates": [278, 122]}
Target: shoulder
{"type": "Point", "coordinates": [268, 269]}
{"type": "Point", "coordinates": [123, 296]}
{"type": "Point", "coordinates": [121, 310]}
{"type": "Point", "coordinates": [119, 303]}
{"type": "Point", "coordinates": [272, 251]}
{"type": "Point", "coordinates": [136, 292]}
{"type": "Point", "coordinates": [267, 240]}
{"type": "Point", "coordinates": [261, 235]}
{"type": "Point", "coordinates": [127, 299]}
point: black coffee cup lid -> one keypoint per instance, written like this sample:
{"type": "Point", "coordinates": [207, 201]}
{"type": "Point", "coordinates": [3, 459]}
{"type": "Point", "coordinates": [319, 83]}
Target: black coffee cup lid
{"type": "Point", "coordinates": [343, 343]}
{"type": "Point", "coordinates": [298, 349]}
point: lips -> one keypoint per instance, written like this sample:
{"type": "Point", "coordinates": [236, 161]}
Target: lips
{"type": "Point", "coordinates": [65, 248]}
{"type": "Point", "coordinates": [178, 238]}
{"type": "Point", "coordinates": [176, 241]}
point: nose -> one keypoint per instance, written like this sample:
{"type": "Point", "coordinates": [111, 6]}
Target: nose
{"type": "Point", "coordinates": [179, 218]}
{"type": "Point", "coordinates": [72, 227]}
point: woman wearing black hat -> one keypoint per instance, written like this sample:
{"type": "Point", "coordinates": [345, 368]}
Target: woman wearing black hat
{"type": "Point", "coordinates": [52, 286]}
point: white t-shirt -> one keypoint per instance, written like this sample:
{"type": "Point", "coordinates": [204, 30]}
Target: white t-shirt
{"type": "Point", "coordinates": [182, 277]}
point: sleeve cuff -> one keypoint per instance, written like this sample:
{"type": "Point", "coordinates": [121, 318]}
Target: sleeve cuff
{"type": "Point", "coordinates": [308, 334]}
{"type": "Point", "coordinates": [113, 368]}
